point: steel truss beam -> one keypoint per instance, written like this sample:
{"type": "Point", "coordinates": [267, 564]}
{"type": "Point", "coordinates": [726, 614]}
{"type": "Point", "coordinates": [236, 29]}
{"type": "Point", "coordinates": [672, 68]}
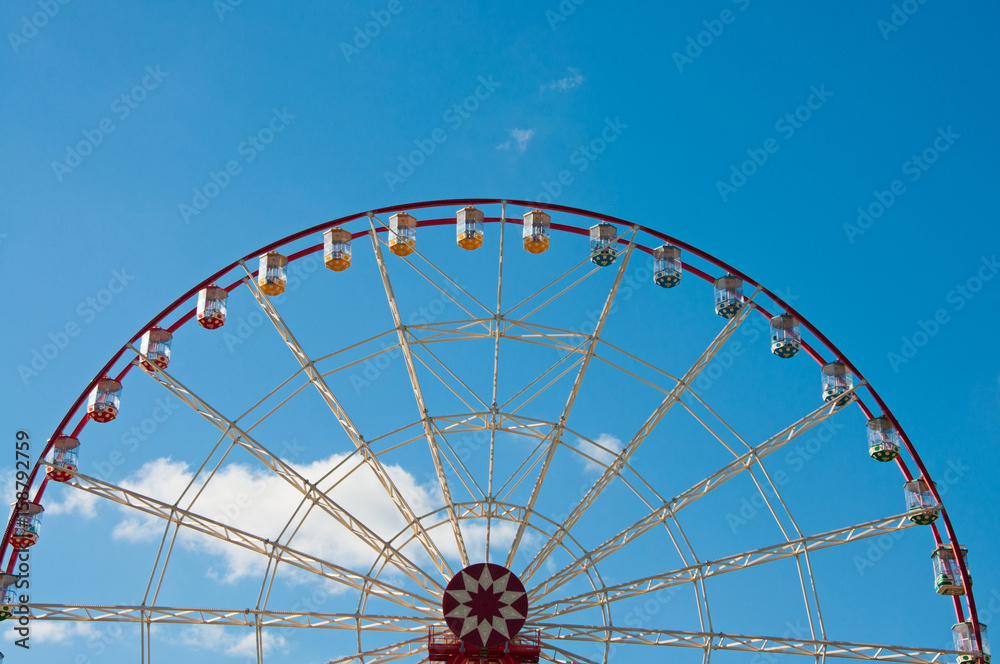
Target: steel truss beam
{"type": "Point", "coordinates": [206, 526]}
{"type": "Point", "coordinates": [692, 573]}
{"type": "Point", "coordinates": [389, 653]}
{"type": "Point", "coordinates": [762, 644]}
{"type": "Point", "coordinates": [233, 617]}
{"type": "Point", "coordinates": [437, 558]}
{"type": "Point", "coordinates": [571, 399]}
{"type": "Point", "coordinates": [644, 431]}
{"type": "Point", "coordinates": [411, 371]}
{"type": "Point", "coordinates": [292, 477]}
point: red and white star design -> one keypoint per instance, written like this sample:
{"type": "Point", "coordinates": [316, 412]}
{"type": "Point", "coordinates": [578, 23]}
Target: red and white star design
{"type": "Point", "coordinates": [485, 605]}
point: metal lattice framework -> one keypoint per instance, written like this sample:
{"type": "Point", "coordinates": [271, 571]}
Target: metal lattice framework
{"type": "Point", "coordinates": [574, 601]}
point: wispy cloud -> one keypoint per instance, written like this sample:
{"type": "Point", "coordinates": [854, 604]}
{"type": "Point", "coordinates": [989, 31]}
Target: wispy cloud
{"type": "Point", "coordinates": [230, 642]}
{"type": "Point", "coordinates": [74, 502]}
{"type": "Point", "coordinates": [521, 138]}
{"type": "Point", "coordinates": [574, 80]}
{"type": "Point", "coordinates": [254, 499]}
{"type": "Point", "coordinates": [45, 631]}
{"type": "Point", "coordinates": [600, 453]}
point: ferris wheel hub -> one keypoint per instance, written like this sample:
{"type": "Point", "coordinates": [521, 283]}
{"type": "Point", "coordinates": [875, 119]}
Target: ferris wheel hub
{"type": "Point", "coordinates": [485, 605]}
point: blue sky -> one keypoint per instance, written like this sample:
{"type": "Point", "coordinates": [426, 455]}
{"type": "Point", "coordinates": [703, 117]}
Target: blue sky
{"type": "Point", "coordinates": [840, 153]}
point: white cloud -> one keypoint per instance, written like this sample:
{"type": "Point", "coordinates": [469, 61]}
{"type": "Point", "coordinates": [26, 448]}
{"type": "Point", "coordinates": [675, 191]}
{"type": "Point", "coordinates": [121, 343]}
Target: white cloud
{"type": "Point", "coordinates": [574, 80]}
{"type": "Point", "coordinates": [255, 500]}
{"type": "Point", "coordinates": [56, 631]}
{"type": "Point", "coordinates": [215, 639]}
{"type": "Point", "coordinates": [74, 501]}
{"type": "Point", "coordinates": [521, 139]}
{"type": "Point", "coordinates": [601, 452]}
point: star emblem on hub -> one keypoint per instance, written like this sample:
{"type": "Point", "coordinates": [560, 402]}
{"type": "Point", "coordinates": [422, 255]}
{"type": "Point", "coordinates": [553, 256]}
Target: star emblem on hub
{"type": "Point", "coordinates": [485, 605]}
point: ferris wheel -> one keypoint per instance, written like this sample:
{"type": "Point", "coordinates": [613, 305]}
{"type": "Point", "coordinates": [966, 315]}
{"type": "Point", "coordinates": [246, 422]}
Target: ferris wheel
{"type": "Point", "coordinates": [559, 440]}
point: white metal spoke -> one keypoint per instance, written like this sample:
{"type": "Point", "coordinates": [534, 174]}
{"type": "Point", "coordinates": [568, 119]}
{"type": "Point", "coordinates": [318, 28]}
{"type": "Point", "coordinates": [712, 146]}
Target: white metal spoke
{"type": "Point", "coordinates": [644, 431]}
{"type": "Point", "coordinates": [547, 332]}
{"type": "Point", "coordinates": [747, 459]}
{"type": "Point", "coordinates": [386, 653]}
{"type": "Point", "coordinates": [762, 644]}
{"type": "Point", "coordinates": [451, 373]}
{"type": "Point", "coordinates": [460, 468]}
{"type": "Point", "coordinates": [565, 290]}
{"type": "Point", "coordinates": [739, 464]}
{"type": "Point", "coordinates": [418, 393]}
{"type": "Point", "coordinates": [206, 526]}
{"type": "Point", "coordinates": [567, 409]}
{"type": "Point", "coordinates": [372, 218]}
{"type": "Point", "coordinates": [692, 573]}
{"type": "Point", "coordinates": [774, 513]}
{"type": "Point", "coordinates": [571, 657]}
{"type": "Point", "coordinates": [552, 381]}
{"type": "Point", "coordinates": [232, 617]}
{"type": "Point", "coordinates": [292, 477]}
{"type": "Point", "coordinates": [494, 423]}
{"type": "Point", "coordinates": [351, 347]}
{"type": "Point", "coordinates": [590, 558]}
{"type": "Point", "coordinates": [639, 360]}
{"type": "Point", "coordinates": [520, 474]}
{"type": "Point", "coordinates": [550, 285]}
{"type": "Point", "coordinates": [380, 472]}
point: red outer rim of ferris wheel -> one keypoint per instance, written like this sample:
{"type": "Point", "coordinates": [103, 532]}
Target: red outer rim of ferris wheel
{"type": "Point", "coordinates": [551, 207]}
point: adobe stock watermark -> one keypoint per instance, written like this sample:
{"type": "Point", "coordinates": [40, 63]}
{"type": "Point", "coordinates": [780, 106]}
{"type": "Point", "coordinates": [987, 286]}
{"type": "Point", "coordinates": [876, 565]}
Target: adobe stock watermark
{"type": "Point", "coordinates": [639, 617]}
{"type": "Point", "coordinates": [228, 511]}
{"type": "Point", "coordinates": [122, 107]}
{"type": "Point", "coordinates": [632, 283]}
{"type": "Point", "coordinates": [100, 641]}
{"type": "Point", "coordinates": [879, 545]}
{"type": "Point", "coordinates": [369, 371]}
{"type": "Point", "coordinates": [793, 630]}
{"type": "Point", "coordinates": [465, 446]}
{"type": "Point", "coordinates": [583, 157]}
{"type": "Point", "coordinates": [753, 328]}
{"type": "Point", "coordinates": [381, 18]}
{"type": "Point", "coordinates": [86, 312]}
{"type": "Point", "coordinates": [223, 7]}
{"type": "Point", "coordinates": [714, 28]}
{"type": "Point", "coordinates": [914, 168]}
{"type": "Point", "coordinates": [310, 603]}
{"type": "Point", "coordinates": [900, 15]}
{"type": "Point", "coordinates": [236, 332]}
{"type": "Point", "coordinates": [249, 148]}
{"type": "Point", "coordinates": [797, 457]}
{"type": "Point", "coordinates": [19, 610]}
{"type": "Point", "coordinates": [562, 12]}
{"type": "Point", "coordinates": [32, 23]}
{"type": "Point", "coordinates": [454, 116]}
{"type": "Point", "coordinates": [787, 126]}
{"type": "Point", "coordinates": [135, 437]}
{"type": "Point", "coordinates": [957, 297]}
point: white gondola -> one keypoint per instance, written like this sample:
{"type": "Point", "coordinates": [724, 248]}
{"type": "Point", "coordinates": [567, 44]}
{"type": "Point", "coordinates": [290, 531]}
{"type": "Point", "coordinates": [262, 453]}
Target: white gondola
{"type": "Point", "coordinates": [964, 635]}
{"type": "Point", "coordinates": [469, 228]}
{"type": "Point", "coordinates": [667, 269]}
{"type": "Point", "coordinates": [883, 441]}
{"type": "Point", "coordinates": [603, 238]}
{"type": "Point", "coordinates": [837, 380]}
{"type": "Point", "coordinates": [103, 403]}
{"type": "Point", "coordinates": [337, 249]}
{"type": "Point", "coordinates": [212, 307]}
{"type": "Point", "coordinates": [921, 506]}
{"type": "Point", "coordinates": [272, 275]}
